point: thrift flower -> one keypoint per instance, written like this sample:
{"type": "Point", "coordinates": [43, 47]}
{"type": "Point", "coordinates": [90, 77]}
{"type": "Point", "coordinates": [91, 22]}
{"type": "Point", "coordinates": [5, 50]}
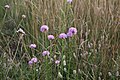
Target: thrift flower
{"type": "Point", "coordinates": [57, 62]}
{"type": "Point", "coordinates": [44, 28]}
{"type": "Point", "coordinates": [45, 53]}
{"type": "Point", "coordinates": [62, 36]}
{"type": "Point", "coordinates": [50, 37]}
{"type": "Point", "coordinates": [69, 1]}
{"type": "Point", "coordinates": [32, 46]}
{"type": "Point", "coordinates": [30, 62]}
{"type": "Point", "coordinates": [69, 34]}
{"type": "Point", "coordinates": [34, 60]}
{"type": "Point", "coordinates": [72, 30]}
{"type": "Point", "coordinates": [7, 6]}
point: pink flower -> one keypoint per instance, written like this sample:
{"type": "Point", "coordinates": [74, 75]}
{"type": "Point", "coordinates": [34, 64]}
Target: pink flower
{"type": "Point", "coordinates": [69, 34]}
{"type": "Point", "coordinates": [50, 37]}
{"type": "Point", "coordinates": [46, 53]}
{"type": "Point", "coordinates": [32, 46]}
{"type": "Point", "coordinates": [72, 30]}
{"type": "Point", "coordinates": [34, 60]}
{"type": "Point", "coordinates": [62, 36]}
{"type": "Point", "coordinates": [30, 62]}
{"type": "Point", "coordinates": [69, 1]}
{"type": "Point", "coordinates": [57, 62]}
{"type": "Point", "coordinates": [44, 28]}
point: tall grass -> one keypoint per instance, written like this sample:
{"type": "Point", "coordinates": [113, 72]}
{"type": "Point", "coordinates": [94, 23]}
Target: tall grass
{"type": "Point", "coordinates": [92, 54]}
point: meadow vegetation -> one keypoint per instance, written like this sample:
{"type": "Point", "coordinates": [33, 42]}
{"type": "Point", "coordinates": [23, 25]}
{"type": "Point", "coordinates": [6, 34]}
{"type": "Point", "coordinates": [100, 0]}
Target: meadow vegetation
{"type": "Point", "coordinates": [36, 42]}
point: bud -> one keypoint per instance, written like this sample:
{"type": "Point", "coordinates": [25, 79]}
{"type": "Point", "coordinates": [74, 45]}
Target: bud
{"type": "Point", "coordinates": [117, 73]}
{"type": "Point", "coordinates": [74, 71]}
{"type": "Point", "coordinates": [37, 70]}
{"type": "Point", "coordinates": [109, 73]}
{"type": "Point", "coordinates": [99, 78]}
{"type": "Point", "coordinates": [60, 75]}
{"type": "Point", "coordinates": [64, 57]}
{"type": "Point", "coordinates": [64, 63]}
{"type": "Point", "coordinates": [65, 69]}
{"type": "Point", "coordinates": [54, 56]}
{"type": "Point", "coordinates": [74, 55]}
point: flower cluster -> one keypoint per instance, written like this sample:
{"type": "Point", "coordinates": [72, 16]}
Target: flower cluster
{"type": "Point", "coordinates": [72, 31]}
{"type": "Point", "coordinates": [44, 28]}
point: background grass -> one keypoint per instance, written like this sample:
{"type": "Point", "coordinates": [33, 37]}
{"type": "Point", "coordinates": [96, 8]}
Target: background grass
{"type": "Point", "coordinates": [92, 54]}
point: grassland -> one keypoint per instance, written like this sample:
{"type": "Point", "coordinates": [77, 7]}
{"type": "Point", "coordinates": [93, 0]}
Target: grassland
{"type": "Point", "coordinates": [92, 54]}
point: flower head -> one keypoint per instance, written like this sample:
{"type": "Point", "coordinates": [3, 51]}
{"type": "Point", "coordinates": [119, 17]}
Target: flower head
{"type": "Point", "coordinates": [7, 6]}
{"type": "Point", "coordinates": [62, 36]}
{"type": "Point", "coordinates": [44, 28]}
{"type": "Point", "coordinates": [72, 30]}
{"type": "Point", "coordinates": [30, 62]}
{"type": "Point", "coordinates": [69, 1]}
{"type": "Point", "coordinates": [34, 60]}
{"type": "Point", "coordinates": [69, 34]}
{"type": "Point", "coordinates": [57, 62]}
{"type": "Point", "coordinates": [50, 37]}
{"type": "Point", "coordinates": [46, 53]}
{"type": "Point", "coordinates": [32, 46]}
